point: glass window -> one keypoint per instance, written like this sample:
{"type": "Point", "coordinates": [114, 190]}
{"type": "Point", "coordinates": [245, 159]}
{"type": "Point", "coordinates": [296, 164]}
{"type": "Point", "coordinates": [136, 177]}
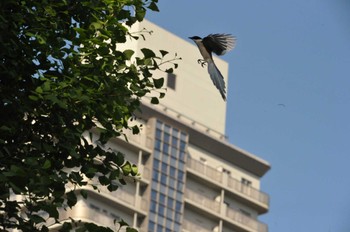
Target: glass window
{"type": "Point", "coordinates": [167, 128]}
{"type": "Point", "coordinates": [155, 175]}
{"type": "Point", "coordinates": [164, 167]}
{"type": "Point", "coordinates": [178, 206]}
{"type": "Point", "coordinates": [174, 141]}
{"type": "Point", "coordinates": [175, 132]}
{"type": "Point", "coordinates": [171, 192]}
{"type": "Point", "coordinates": [182, 146]}
{"type": "Point", "coordinates": [160, 220]}
{"type": "Point", "coordinates": [173, 161]}
{"type": "Point", "coordinates": [152, 217]}
{"type": "Point", "coordinates": [180, 175]}
{"type": "Point", "coordinates": [168, 230]}
{"type": "Point", "coordinates": [154, 185]}
{"type": "Point", "coordinates": [172, 171]}
{"type": "Point", "coordinates": [154, 195]}
{"type": "Point", "coordinates": [159, 228]}
{"type": "Point", "coordinates": [161, 209]}
{"type": "Point", "coordinates": [169, 213]}
{"type": "Point", "coordinates": [165, 158]}
{"type": "Point", "coordinates": [168, 224]}
{"type": "Point", "coordinates": [156, 154]}
{"type": "Point", "coordinates": [179, 196]}
{"type": "Point", "coordinates": [163, 179]}
{"type": "Point", "coordinates": [166, 138]}
{"type": "Point", "coordinates": [170, 203]}
{"type": "Point", "coordinates": [181, 165]}
{"type": "Point", "coordinates": [158, 134]}
{"type": "Point", "coordinates": [163, 189]}
{"type": "Point", "coordinates": [153, 206]}
{"type": "Point", "coordinates": [158, 144]}
{"type": "Point", "coordinates": [182, 156]}
{"type": "Point", "coordinates": [165, 148]}
{"type": "Point", "coordinates": [173, 151]}
{"type": "Point", "coordinates": [151, 226]}
{"type": "Point", "coordinates": [177, 226]}
{"type": "Point", "coordinates": [159, 124]}
{"type": "Point", "coordinates": [180, 186]}
{"type": "Point", "coordinates": [177, 217]}
{"type": "Point", "coordinates": [172, 182]}
{"type": "Point", "coordinates": [171, 81]}
{"type": "Point", "coordinates": [155, 164]}
{"type": "Point", "coordinates": [183, 136]}
{"type": "Point", "coordinates": [162, 198]}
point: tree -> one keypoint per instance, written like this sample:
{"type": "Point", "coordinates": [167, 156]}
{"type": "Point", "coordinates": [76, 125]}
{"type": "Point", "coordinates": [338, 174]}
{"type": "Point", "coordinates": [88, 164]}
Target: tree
{"type": "Point", "coordinates": [61, 75]}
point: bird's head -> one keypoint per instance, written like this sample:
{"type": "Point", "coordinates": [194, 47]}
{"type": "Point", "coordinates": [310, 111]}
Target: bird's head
{"type": "Point", "coordinates": [195, 38]}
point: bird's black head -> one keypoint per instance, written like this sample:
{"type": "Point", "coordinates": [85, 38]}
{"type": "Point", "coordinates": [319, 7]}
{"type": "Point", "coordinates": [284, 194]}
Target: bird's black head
{"type": "Point", "coordinates": [195, 38]}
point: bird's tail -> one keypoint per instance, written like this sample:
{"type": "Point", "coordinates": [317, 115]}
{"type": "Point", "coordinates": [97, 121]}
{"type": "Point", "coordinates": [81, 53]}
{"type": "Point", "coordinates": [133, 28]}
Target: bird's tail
{"type": "Point", "coordinates": [217, 78]}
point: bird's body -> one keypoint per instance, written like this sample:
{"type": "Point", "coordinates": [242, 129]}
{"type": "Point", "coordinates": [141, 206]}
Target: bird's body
{"type": "Point", "coordinates": [219, 44]}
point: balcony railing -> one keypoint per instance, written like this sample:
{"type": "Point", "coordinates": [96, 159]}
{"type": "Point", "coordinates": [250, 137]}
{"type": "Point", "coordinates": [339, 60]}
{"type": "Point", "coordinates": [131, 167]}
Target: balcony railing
{"type": "Point", "coordinates": [232, 214]}
{"type": "Point", "coordinates": [209, 172]}
{"type": "Point", "coordinates": [245, 220]}
{"type": "Point", "coordinates": [190, 226]}
{"type": "Point", "coordinates": [232, 183]}
{"type": "Point", "coordinates": [248, 191]}
{"type": "Point", "coordinates": [125, 197]}
{"type": "Point", "coordinates": [202, 200]}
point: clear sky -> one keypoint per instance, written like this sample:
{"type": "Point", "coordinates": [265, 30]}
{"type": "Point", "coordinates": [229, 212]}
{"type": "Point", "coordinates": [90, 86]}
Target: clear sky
{"type": "Point", "coordinates": [288, 99]}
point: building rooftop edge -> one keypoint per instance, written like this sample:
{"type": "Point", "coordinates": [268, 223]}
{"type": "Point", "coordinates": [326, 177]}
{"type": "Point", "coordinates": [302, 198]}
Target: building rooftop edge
{"type": "Point", "coordinates": [201, 138]}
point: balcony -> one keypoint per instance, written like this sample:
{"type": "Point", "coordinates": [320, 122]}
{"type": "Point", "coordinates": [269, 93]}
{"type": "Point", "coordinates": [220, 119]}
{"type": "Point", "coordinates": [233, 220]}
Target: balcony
{"type": "Point", "coordinates": [251, 195]}
{"type": "Point", "coordinates": [240, 221]}
{"type": "Point", "coordinates": [127, 199]}
{"type": "Point", "coordinates": [251, 192]}
{"type": "Point", "coordinates": [245, 221]}
{"type": "Point", "coordinates": [190, 227]}
{"type": "Point", "coordinates": [202, 201]}
{"type": "Point", "coordinates": [205, 170]}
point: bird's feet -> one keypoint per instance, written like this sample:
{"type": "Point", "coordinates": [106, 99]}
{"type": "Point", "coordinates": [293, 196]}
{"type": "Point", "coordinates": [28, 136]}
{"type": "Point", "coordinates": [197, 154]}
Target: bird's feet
{"type": "Point", "coordinates": [201, 62]}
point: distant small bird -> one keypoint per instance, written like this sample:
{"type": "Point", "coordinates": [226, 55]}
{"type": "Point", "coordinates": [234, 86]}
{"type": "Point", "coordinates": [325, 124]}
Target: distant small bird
{"type": "Point", "coordinates": [219, 44]}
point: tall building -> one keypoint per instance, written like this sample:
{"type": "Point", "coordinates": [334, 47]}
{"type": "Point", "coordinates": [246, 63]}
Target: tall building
{"type": "Point", "coordinates": [192, 179]}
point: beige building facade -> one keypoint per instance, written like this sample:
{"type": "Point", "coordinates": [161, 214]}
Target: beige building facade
{"type": "Point", "coordinates": [192, 178]}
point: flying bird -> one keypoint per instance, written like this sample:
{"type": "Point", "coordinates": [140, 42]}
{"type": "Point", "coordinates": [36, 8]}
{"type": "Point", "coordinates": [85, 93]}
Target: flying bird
{"type": "Point", "coordinates": [219, 44]}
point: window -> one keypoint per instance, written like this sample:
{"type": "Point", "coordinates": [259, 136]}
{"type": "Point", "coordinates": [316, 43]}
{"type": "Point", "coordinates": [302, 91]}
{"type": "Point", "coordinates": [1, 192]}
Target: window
{"type": "Point", "coordinates": [224, 170]}
{"type": "Point", "coordinates": [165, 148]}
{"type": "Point", "coordinates": [162, 198]}
{"type": "Point", "coordinates": [158, 145]}
{"type": "Point", "coordinates": [166, 138]}
{"type": "Point", "coordinates": [182, 146]}
{"type": "Point", "coordinates": [155, 164]}
{"type": "Point", "coordinates": [172, 171]}
{"type": "Point", "coordinates": [161, 210]}
{"type": "Point", "coordinates": [159, 228]}
{"type": "Point", "coordinates": [170, 203]}
{"type": "Point", "coordinates": [163, 179]}
{"type": "Point", "coordinates": [153, 206]}
{"type": "Point", "coordinates": [246, 182]}
{"type": "Point", "coordinates": [178, 206]}
{"type": "Point", "coordinates": [169, 213]}
{"type": "Point", "coordinates": [158, 134]}
{"type": "Point", "coordinates": [154, 195]}
{"type": "Point", "coordinates": [164, 168]}
{"type": "Point", "coordinates": [151, 226]}
{"type": "Point", "coordinates": [171, 81]}
{"type": "Point", "coordinates": [174, 141]}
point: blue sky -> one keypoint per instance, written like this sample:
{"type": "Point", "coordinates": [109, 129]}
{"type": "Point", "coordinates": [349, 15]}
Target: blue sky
{"type": "Point", "coordinates": [295, 53]}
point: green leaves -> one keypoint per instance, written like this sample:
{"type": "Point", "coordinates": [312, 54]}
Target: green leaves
{"type": "Point", "coordinates": [64, 74]}
{"type": "Point", "coordinates": [148, 53]}
{"type": "Point", "coordinates": [158, 83]}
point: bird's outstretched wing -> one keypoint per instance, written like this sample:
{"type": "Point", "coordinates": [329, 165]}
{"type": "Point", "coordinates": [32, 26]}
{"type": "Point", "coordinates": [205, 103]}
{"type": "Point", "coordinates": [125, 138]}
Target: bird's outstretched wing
{"type": "Point", "coordinates": [219, 43]}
